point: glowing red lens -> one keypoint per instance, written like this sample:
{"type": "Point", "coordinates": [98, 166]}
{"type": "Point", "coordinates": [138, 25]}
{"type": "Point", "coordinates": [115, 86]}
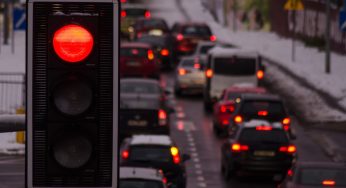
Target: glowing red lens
{"type": "Point", "coordinates": [147, 14]}
{"type": "Point", "coordinates": [162, 114]}
{"type": "Point", "coordinates": [288, 149]}
{"type": "Point", "coordinates": [73, 43]}
{"type": "Point", "coordinates": [264, 128]}
{"type": "Point", "coordinates": [164, 52]}
{"type": "Point", "coordinates": [238, 119]}
{"type": "Point", "coordinates": [225, 122]}
{"type": "Point", "coordinates": [197, 66]}
{"type": "Point", "coordinates": [239, 147]}
{"type": "Point", "coordinates": [290, 172]}
{"type": "Point", "coordinates": [328, 183]}
{"type": "Point", "coordinates": [151, 55]}
{"type": "Point", "coordinates": [182, 71]}
{"type": "Point", "coordinates": [125, 154]}
{"type": "Point", "coordinates": [213, 38]}
{"type": "Point", "coordinates": [180, 37]}
{"type": "Point", "coordinates": [260, 74]}
{"type": "Point", "coordinates": [226, 108]}
{"type": "Point", "coordinates": [123, 14]}
{"type": "Point", "coordinates": [123, 1]}
{"type": "Point", "coordinates": [262, 113]}
{"type": "Point", "coordinates": [209, 73]}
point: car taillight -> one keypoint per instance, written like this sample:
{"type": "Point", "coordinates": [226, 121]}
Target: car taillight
{"type": "Point", "coordinates": [212, 38]}
{"type": "Point", "coordinates": [226, 108]}
{"type": "Point", "coordinates": [180, 37]}
{"type": "Point", "coordinates": [162, 117]}
{"type": "Point", "coordinates": [225, 122]}
{"type": "Point", "coordinates": [181, 71]}
{"type": "Point", "coordinates": [164, 52]}
{"type": "Point", "coordinates": [238, 119]}
{"type": "Point", "coordinates": [239, 147]}
{"type": "Point", "coordinates": [288, 149]}
{"type": "Point", "coordinates": [151, 55]}
{"type": "Point", "coordinates": [328, 182]}
{"type": "Point", "coordinates": [209, 73]}
{"type": "Point", "coordinates": [264, 128]}
{"type": "Point", "coordinates": [286, 122]}
{"type": "Point", "coordinates": [73, 43]}
{"type": "Point", "coordinates": [175, 155]}
{"type": "Point", "coordinates": [260, 74]}
{"type": "Point", "coordinates": [147, 14]}
{"type": "Point", "coordinates": [123, 14]}
{"type": "Point", "coordinates": [164, 180]}
{"type": "Point", "coordinates": [197, 66]}
{"type": "Point", "coordinates": [125, 154]}
{"type": "Point", "coordinates": [262, 113]}
{"type": "Point", "coordinates": [290, 173]}
{"type": "Point", "coordinates": [123, 1]}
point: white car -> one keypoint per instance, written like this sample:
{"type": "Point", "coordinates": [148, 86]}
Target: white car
{"type": "Point", "coordinates": [141, 178]}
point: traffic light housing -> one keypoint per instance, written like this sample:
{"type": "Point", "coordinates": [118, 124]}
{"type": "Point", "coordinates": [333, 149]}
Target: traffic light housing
{"type": "Point", "coordinates": [72, 93]}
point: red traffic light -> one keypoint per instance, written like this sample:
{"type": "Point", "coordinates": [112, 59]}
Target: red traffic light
{"type": "Point", "coordinates": [73, 43]}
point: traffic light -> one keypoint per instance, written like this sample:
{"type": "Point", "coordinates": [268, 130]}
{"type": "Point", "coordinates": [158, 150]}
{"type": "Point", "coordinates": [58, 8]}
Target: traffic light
{"type": "Point", "coordinates": [72, 93]}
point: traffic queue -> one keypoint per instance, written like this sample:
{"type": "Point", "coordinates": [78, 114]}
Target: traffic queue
{"type": "Point", "coordinates": [255, 124]}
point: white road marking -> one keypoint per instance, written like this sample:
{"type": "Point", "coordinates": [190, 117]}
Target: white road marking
{"type": "Point", "coordinates": [196, 160]}
{"type": "Point", "coordinates": [192, 144]}
{"type": "Point", "coordinates": [193, 149]}
{"type": "Point", "coordinates": [197, 166]}
{"type": "Point", "coordinates": [200, 178]}
{"type": "Point", "coordinates": [180, 115]}
{"type": "Point", "coordinates": [199, 172]}
{"type": "Point", "coordinates": [194, 154]}
{"type": "Point", "coordinates": [202, 184]}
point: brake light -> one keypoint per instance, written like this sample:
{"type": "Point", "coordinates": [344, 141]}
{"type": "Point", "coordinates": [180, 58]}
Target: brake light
{"type": "Point", "coordinates": [175, 155]}
{"type": "Point", "coordinates": [181, 71]}
{"type": "Point", "coordinates": [197, 66]}
{"type": "Point", "coordinates": [151, 55]}
{"type": "Point", "coordinates": [262, 113]}
{"type": "Point", "coordinates": [290, 172]}
{"type": "Point", "coordinates": [286, 123]}
{"type": "Point", "coordinates": [226, 108]}
{"type": "Point", "coordinates": [260, 74]}
{"type": "Point", "coordinates": [239, 147]}
{"type": "Point", "coordinates": [288, 149]}
{"type": "Point", "coordinates": [123, 14]}
{"type": "Point", "coordinates": [125, 154]}
{"type": "Point", "coordinates": [180, 37]}
{"type": "Point", "coordinates": [164, 180]}
{"type": "Point", "coordinates": [225, 122]}
{"type": "Point", "coordinates": [162, 117]}
{"type": "Point", "coordinates": [123, 1]}
{"type": "Point", "coordinates": [328, 182]}
{"type": "Point", "coordinates": [238, 119]}
{"type": "Point", "coordinates": [209, 73]}
{"type": "Point", "coordinates": [213, 38]}
{"type": "Point", "coordinates": [264, 128]}
{"type": "Point", "coordinates": [164, 52]}
{"type": "Point", "coordinates": [147, 14]}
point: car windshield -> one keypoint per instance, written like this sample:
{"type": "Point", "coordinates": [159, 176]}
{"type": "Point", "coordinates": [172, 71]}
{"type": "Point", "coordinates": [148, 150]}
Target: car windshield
{"type": "Point", "coordinates": [133, 52]}
{"type": "Point", "coordinates": [135, 12]}
{"type": "Point", "coordinates": [252, 135]}
{"type": "Point", "coordinates": [316, 176]}
{"type": "Point", "coordinates": [149, 153]}
{"type": "Point", "coordinates": [139, 183]}
{"type": "Point", "coordinates": [235, 66]}
{"type": "Point", "coordinates": [139, 87]}
{"type": "Point", "coordinates": [196, 30]}
{"type": "Point", "coordinates": [270, 109]}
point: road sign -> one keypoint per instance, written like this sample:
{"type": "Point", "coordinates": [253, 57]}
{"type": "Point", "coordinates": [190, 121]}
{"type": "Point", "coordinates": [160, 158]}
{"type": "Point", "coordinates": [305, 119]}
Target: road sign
{"type": "Point", "coordinates": [342, 20]}
{"type": "Point", "coordinates": [19, 18]}
{"type": "Point", "coordinates": [294, 5]}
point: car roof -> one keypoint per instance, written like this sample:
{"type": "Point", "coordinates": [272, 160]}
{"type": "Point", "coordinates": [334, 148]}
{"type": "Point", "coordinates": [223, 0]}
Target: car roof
{"type": "Point", "coordinates": [245, 88]}
{"type": "Point", "coordinates": [192, 23]}
{"type": "Point", "coordinates": [140, 173]}
{"type": "Point", "coordinates": [163, 140]}
{"type": "Point", "coordinates": [140, 80]}
{"type": "Point", "coordinates": [261, 97]}
{"type": "Point", "coordinates": [134, 6]}
{"type": "Point", "coordinates": [260, 122]}
{"type": "Point", "coordinates": [227, 52]}
{"type": "Point", "coordinates": [134, 45]}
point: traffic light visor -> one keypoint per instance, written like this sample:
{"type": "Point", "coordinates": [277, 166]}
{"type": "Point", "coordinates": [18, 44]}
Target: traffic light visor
{"type": "Point", "coordinates": [73, 43]}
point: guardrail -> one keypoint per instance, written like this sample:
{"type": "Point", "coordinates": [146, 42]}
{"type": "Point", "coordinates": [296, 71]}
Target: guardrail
{"type": "Point", "coordinates": [12, 92]}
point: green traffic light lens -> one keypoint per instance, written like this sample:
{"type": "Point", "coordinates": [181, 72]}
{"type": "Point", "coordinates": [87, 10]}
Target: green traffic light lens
{"type": "Point", "coordinates": [72, 151]}
{"type": "Point", "coordinates": [73, 98]}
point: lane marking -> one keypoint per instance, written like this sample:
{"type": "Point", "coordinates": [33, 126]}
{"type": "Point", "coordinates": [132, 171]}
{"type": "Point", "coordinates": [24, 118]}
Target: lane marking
{"type": "Point", "coordinates": [202, 184]}
{"type": "Point", "coordinates": [193, 149]}
{"type": "Point", "coordinates": [199, 172]}
{"type": "Point", "coordinates": [197, 166]}
{"type": "Point", "coordinates": [180, 115]}
{"type": "Point", "coordinates": [196, 160]}
{"type": "Point", "coordinates": [192, 144]}
{"type": "Point", "coordinates": [200, 178]}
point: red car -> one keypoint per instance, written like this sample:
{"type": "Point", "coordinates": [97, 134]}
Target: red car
{"type": "Point", "coordinates": [187, 35]}
{"type": "Point", "coordinates": [138, 60]}
{"type": "Point", "coordinates": [226, 105]}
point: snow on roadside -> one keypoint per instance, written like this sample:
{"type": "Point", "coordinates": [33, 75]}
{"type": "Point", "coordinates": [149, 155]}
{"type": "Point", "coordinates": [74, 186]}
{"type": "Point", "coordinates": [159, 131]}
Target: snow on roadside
{"type": "Point", "coordinates": [9, 146]}
{"type": "Point", "coordinates": [13, 62]}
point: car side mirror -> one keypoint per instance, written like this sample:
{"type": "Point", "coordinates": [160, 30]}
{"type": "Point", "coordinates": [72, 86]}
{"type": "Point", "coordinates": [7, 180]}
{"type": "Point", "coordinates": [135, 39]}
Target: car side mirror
{"type": "Point", "coordinates": [186, 157]}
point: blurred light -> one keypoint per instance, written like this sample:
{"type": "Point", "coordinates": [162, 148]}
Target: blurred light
{"type": "Point", "coordinates": [180, 125]}
{"type": "Point", "coordinates": [123, 14]}
{"type": "Point", "coordinates": [262, 113]}
{"type": "Point", "coordinates": [147, 14]}
{"type": "Point", "coordinates": [197, 66]}
{"type": "Point", "coordinates": [328, 182]}
{"type": "Point", "coordinates": [260, 74]}
{"type": "Point", "coordinates": [238, 119]}
{"type": "Point", "coordinates": [134, 52]}
{"type": "Point", "coordinates": [264, 128]}
{"type": "Point", "coordinates": [213, 38]}
{"type": "Point", "coordinates": [151, 55]}
{"type": "Point", "coordinates": [180, 37]}
{"type": "Point", "coordinates": [125, 154]}
{"type": "Point", "coordinates": [239, 147]}
{"type": "Point", "coordinates": [209, 73]}
{"type": "Point", "coordinates": [164, 52]}
{"type": "Point", "coordinates": [182, 71]}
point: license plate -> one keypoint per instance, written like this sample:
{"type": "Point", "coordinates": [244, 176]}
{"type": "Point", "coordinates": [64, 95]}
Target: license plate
{"type": "Point", "coordinates": [137, 123]}
{"type": "Point", "coordinates": [264, 153]}
{"type": "Point", "coordinates": [133, 63]}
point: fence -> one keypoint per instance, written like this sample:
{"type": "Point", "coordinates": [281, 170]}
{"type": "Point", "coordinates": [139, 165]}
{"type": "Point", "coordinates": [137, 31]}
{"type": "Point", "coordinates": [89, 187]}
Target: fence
{"type": "Point", "coordinates": [12, 92]}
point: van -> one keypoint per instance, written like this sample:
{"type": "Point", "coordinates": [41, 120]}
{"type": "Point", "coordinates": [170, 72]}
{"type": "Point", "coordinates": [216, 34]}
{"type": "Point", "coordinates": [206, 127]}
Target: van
{"type": "Point", "coordinates": [226, 67]}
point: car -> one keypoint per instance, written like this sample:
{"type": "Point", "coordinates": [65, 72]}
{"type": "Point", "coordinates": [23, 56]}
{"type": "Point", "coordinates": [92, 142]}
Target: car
{"type": "Point", "coordinates": [162, 48]}
{"type": "Point", "coordinates": [226, 67]}
{"type": "Point", "coordinates": [128, 15]}
{"type": "Point", "coordinates": [202, 49]}
{"type": "Point", "coordinates": [225, 106]}
{"type": "Point", "coordinates": [315, 175]}
{"type": "Point", "coordinates": [186, 36]}
{"type": "Point", "coordinates": [152, 26]}
{"type": "Point", "coordinates": [141, 178]}
{"type": "Point", "coordinates": [262, 150]}
{"type": "Point", "coordinates": [189, 76]}
{"type": "Point", "coordinates": [138, 60]}
{"type": "Point", "coordinates": [143, 108]}
{"type": "Point", "coordinates": [156, 151]}
{"type": "Point", "coordinates": [260, 106]}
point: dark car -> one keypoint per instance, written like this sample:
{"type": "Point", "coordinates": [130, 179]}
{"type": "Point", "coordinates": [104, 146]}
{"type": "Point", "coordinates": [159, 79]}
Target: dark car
{"type": "Point", "coordinates": [315, 175]}
{"type": "Point", "coordinates": [187, 35]}
{"type": "Point", "coordinates": [138, 60]}
{"type": "Point", "coordinates": [143, 108]}
{"type": "Point", "coordinates": [134, 177]}
{"type": "Point", "coordinates": [128, 16]}
{"type": "Point", "coordinates": [259, 150]}
{"type": "Point", "coordinates": [162, 46]}
{"type": "Point", "coordinates": [152, 26]}
{"type": "Point", "coordinates": [260, 106]}
{"type": "Point", "coordinates": [155, 151]}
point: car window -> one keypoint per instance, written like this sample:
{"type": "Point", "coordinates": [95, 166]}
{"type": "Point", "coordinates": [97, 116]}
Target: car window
{"type": "Point", "coordinates": [315, 176]}
{"type": "Point", "coordinates": [139, 87]}
{"type": "Point", "coordinates": [139, 183]}
{"type": "Point", "coordinates": [135, 12]}
{"type": "Point", "coordinates": [187, 63]}
{"type": "Point", "coordinates": [133, 52]}
{"type": "Point", "coordinates": [248, 136]}
{"type": "Point", "coordinates": [196, 30]}
{"type": "Point", "coordinates": [271, 109]}
{"type": "Point", "coordinates": [150, 153]}
{"type": "Point", "coordinates": [235, 66]}
{"type": "Point", "coordinates": [233, 95]}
